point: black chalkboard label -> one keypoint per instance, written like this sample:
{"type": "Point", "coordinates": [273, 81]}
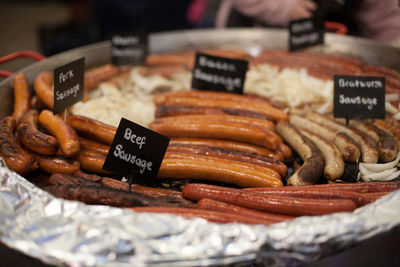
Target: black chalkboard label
{"type": "Point", "coordinates": [129, 49]}
{"type": "Point", "coordinates": [357, 97]}
{"type": "Point", "coordinates": [136, 150]}
{"type": "Point", "coordinates": [305, 32]}
{"type": "Point", "coordinates": [219, 74]}
{"type": "Point", "coordinates": [68, 84]}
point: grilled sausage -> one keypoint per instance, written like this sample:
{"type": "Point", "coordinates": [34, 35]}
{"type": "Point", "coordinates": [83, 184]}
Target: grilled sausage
{"type": "Point", "coordinates": [218, 130]}
{"type": "Point", "coordinates": [369, 148]}
{"type": "Point", "coordinates": [221, 171]}
{"type": "Point", "coordinates": [334, 165]}
{"type": "Point", "coordinates": [64, 133]}
{"type": "Point", "coordinates": [56, 164]}
{"type": "Point", "coordinates": [92, 161]}
{"type": "Point", "coordinates": [92, 129]}
{"type": "Point", "coordinates": [263, 202]}
{"type": "Point", "coordinates": [16, 158]}
{"type": "Point", "coordinates": [21, 96]}
{"type": "Point", "coordinates": [43, 88]}
{"type": "Point", "coordinates": [34, 139]}
{"type": "Point", "coordinates": [314, 163]}
{"type": "Point", "coordinates": [347, 147]}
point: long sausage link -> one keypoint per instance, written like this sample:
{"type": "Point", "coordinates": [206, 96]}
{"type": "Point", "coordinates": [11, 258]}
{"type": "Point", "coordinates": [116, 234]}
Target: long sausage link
{"type": "Point", "coordinates": [21, 96]}
{"type": "Point", "coordinates": [92, 129]}
{"type": "Point", "coordinates": [220, 171]}
{"type": "Point", "coordinates": [264, 202]}
{"type": "Point", "coordinates": [252, 158]}
{"type": "Point", "coordinates": [218, 130]}
{"type": "Point", "coordinates": [92, 161]}
{"type": "Point", "coordinates": [228, 145]}
{"type": "Point", "coordinates": [265, 109]}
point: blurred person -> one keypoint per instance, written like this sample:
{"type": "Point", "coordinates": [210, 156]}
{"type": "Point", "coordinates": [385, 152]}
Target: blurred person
{"type": "Point", "coordinates": [375, 19]}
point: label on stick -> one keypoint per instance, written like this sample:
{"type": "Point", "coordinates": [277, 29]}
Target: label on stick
{"type": "Point", "coordinates": [129, 49]}
{"type": "Point", "coordinates": [136, 149]}
{"type": "Point", "coordinates": [305, 32]}
{"type": "Point", "coordinates": [357, 97]}
{"type": "Point", "coordinates": [221, 74]}
{"type": "Point", "coordinates": [68, 84]}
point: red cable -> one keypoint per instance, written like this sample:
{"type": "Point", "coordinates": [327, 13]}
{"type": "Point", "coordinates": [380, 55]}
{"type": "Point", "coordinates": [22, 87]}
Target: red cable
{"type": "Point", "coordinates": [30, 54]}
{"type": "Point", "coordinates": [4, 73]}
{"type": "Point", "coordinates": [339, 28]}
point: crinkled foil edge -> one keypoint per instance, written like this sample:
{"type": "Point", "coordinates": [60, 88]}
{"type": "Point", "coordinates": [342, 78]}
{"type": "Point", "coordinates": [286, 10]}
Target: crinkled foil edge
{"type": "Point", "coordinates": [58, 231]}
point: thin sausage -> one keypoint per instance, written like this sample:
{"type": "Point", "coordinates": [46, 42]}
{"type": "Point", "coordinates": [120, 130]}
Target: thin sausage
{"type": "Point", "coordinates": [252, 158]}
{"type": "Point", "coordinates": [263, 202]}
{"type": "Point", "coordinates": [34, 139]}
{"type": "Point", "coordinates": [87, 144]}
{"type": "Point", "coordinates": [103, 196]}
{"type": "Point", "coordinates": [63, 178]}
{"type": "Point", "coordinates": [92, 161]}
{"type": "Point", "coordinates": [64, 133]}
{"type": "Point", "coordinates": [21, 96]}
{"type": "Point", "coordinates": [218, 130]}
{"type": "Point", "coordinates": [87, 176]}
{"type": "Point", "coordinates": [314, 163]}
{"type": "Point", "coordinates": [94, 76]}
{"type": "Point", "coordinates": [165, 194]}
{"type": "Point", "coordinates": [92, 129]}
{"type": "Point", "coordinates": [221, 171]}
{"type": "Point", "coordinates": [231, 145]}
{"type": "Point", "coordinates": [56, 164]}
{"type": "Point", "coordinates": [265, 109]}
{"type": "Point", "coordinates": [209, 215]}
{"type": "Point", "coordinates": [43, 88]}
{"type": "Point", "coordinates": [210, 204]}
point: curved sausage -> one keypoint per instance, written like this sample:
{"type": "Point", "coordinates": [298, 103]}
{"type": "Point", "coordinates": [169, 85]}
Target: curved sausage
{"type": "Point", "coordinates": [21, 96]}
{"type": "Point", "coordinates": [387, 145]}
{"type": "Point", "coordinates": [56, 164]}
{"type": "Point", "coordinates": [92, 129]}
{"type": "Point", "coordinates": [221, 171]}
{"type": "Point", "coordinates": [43, 88]}
{"type": "Point", "coordinates": [347, 147]}
{"type": "Point", "coordinates": [334, 165]}
{"type": "Point", "coordinates": [369, 148]}
{"type": "Point", "coordinates": [34, 139]}
{"type": "Point", "coordinates": [64, 133]}
{"type": "Point", "coordinates": [16, 158]}
{"type": "Point", "coordinates": [314, 163]}
{"type": "Point", "coordinates": [218, 130]}
{"type": "Point", "coordinates": [389, 128]}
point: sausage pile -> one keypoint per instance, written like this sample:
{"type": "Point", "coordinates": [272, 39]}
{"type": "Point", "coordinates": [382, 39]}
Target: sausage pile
{"type": "Point", "coordinates": [240, 142]}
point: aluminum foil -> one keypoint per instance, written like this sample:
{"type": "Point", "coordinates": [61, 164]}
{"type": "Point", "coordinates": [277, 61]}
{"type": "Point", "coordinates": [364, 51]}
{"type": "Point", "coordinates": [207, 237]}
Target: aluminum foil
{"type": "Point", "coordinates": [63, 232]}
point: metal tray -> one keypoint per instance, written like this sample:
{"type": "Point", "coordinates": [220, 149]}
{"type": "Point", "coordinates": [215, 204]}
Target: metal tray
{"type": "Point", "coordinates": [274, 251]}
